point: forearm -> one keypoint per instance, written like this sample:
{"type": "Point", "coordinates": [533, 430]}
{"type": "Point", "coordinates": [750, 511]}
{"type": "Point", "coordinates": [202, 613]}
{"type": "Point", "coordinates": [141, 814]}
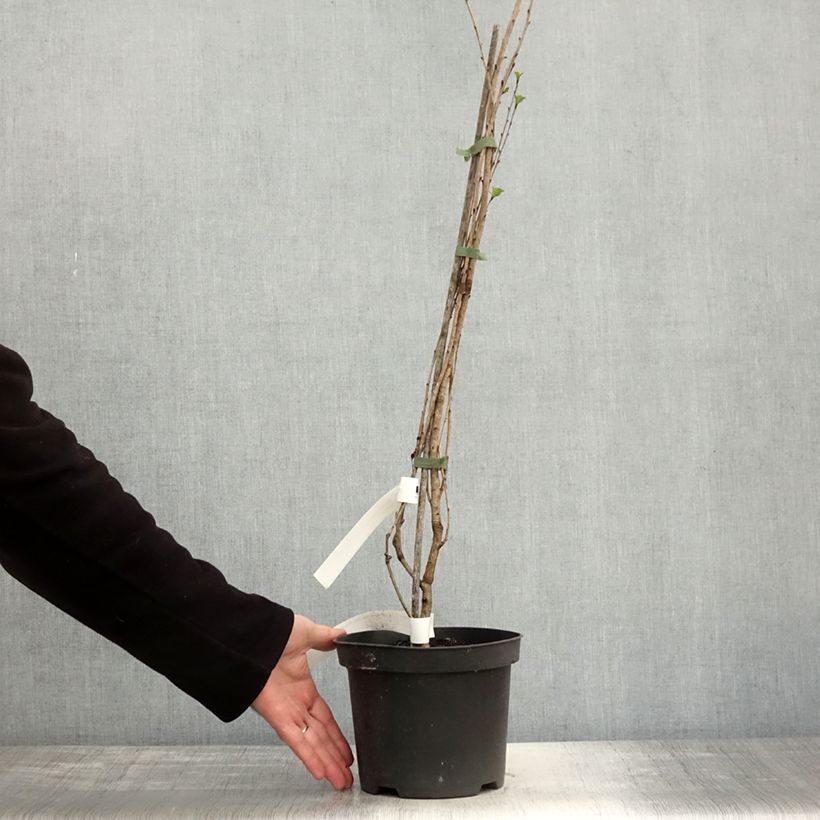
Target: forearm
{"type": "Point", "coordinates": [73, 535]}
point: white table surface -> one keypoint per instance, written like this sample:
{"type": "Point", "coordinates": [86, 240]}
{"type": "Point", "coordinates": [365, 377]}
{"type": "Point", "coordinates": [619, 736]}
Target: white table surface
{"type": "Point", "coordinates": [689, 778]}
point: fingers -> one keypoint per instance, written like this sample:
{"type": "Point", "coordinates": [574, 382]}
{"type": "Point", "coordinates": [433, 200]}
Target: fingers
{"type": "Point", "coordinates": [337, 772]}
{"type": "Point", "coordinates": [318, 752]}
{"type": "Point", "coordinates": [322, 637]}
{"type": "Point", "coordinates": [320, 710]}
{"type": "Point", "coordinates": [298, 743]}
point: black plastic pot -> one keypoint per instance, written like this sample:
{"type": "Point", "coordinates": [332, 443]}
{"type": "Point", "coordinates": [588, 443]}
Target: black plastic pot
{"type": "Point", "coordinates": [430, 722]}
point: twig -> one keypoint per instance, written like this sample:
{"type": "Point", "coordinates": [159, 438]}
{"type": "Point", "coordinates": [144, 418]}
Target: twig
{"type": "Point", "coordinates": [512, 107]}
{"type": "Point", "coordinates": [477, 35]}
{"type": "Point", "coordinates": [387, 558]}
{"type": "Point", "coordinates": [395, 534]}
{"type": "Point", "coordinates": [511, 64]}
{"type": "Point", "coordinates": [505, 42]}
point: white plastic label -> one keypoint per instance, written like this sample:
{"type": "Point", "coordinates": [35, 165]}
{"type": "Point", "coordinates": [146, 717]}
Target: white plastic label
{"type": "Point", "coordinates": [406, 493]}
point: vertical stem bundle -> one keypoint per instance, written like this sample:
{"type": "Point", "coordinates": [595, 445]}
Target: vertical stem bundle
{"type": "Point", "coordinates": [433, 438]}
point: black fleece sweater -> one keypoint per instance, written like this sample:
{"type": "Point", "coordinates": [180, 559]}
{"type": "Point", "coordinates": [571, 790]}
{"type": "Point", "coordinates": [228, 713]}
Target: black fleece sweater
{"type": "Point", "coordinates": [70, 533]}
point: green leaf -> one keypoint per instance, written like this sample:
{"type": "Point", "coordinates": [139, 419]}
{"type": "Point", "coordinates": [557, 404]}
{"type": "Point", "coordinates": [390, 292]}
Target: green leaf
{"type": "Point", "coordinates": [519, 98]}
{"type": "Point", "coordinates": [496, 192]}
{"type": "Point", "coordinates": [505, 89]}
{"type": "Point", "coordinates": [519, 75]}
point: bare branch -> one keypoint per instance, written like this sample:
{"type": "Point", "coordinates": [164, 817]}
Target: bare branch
{"type": "Point", "coordinates": [460, 262]}
{"type": "Point", "coordinates": [447, 503]}
{"type": "Point", "coordinates": [505, 131]}
{"type": "Point", "coordinates": [417, 546]}
{"type": "Point", "coordinates": [387, 559]}
{"type": "Point", "coordinates": [506, 40]}
{"type": "Point", "coordinates": [511, 108]}
{"type": "Point", "coordinates": [511, 64]}
{"type": "Point", "coordinates": [477, 35]}
{"type": "Point", "coordinates": [435, 423]}
{"type": "Point", "coordinates": [395, 534]}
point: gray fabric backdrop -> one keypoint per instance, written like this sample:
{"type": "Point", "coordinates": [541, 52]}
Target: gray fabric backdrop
{"type": "Point", "coordinates": [225, 233]}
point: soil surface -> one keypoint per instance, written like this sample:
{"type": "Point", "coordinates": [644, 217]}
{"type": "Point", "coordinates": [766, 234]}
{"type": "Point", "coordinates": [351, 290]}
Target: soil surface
{"type": "Point", "coordinates": [435, 642]}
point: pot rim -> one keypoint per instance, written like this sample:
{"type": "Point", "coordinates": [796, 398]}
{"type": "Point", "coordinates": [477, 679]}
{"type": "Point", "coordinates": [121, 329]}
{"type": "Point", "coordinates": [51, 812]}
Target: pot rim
{"type": "Point", "coordinates": [377, 651]}
{"type": "Point", "coordinates": [502, 636]}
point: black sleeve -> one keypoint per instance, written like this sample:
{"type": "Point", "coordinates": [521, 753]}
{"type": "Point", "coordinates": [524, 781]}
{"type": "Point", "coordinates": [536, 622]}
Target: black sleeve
{"type": "Point", "coordinates": [69, 532]}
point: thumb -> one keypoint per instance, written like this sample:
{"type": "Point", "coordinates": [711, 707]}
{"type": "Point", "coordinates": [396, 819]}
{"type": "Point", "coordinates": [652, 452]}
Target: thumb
{"type": "Point", "coordinates": [322, 637]}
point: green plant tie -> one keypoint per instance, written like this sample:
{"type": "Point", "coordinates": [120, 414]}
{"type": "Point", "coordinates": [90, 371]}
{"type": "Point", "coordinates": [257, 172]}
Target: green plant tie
{"type": "Point", "coordinates": [473, 253]}
{"type": "Point", "coordinates": [430, 463]}
{"type": "Point", "coordinates": [478, 145]}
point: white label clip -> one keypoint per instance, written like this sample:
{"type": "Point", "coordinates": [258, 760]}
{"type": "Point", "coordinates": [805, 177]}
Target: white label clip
{"type": "Point", "coordinates": [421, 630]}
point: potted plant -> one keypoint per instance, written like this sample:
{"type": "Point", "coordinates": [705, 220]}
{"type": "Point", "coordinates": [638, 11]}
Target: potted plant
{"type": "Point", "coordinates": [430, 709]}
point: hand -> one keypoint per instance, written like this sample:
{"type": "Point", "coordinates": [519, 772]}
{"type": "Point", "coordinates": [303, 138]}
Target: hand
{"type": "Point", "coordinates": [290, 702]}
